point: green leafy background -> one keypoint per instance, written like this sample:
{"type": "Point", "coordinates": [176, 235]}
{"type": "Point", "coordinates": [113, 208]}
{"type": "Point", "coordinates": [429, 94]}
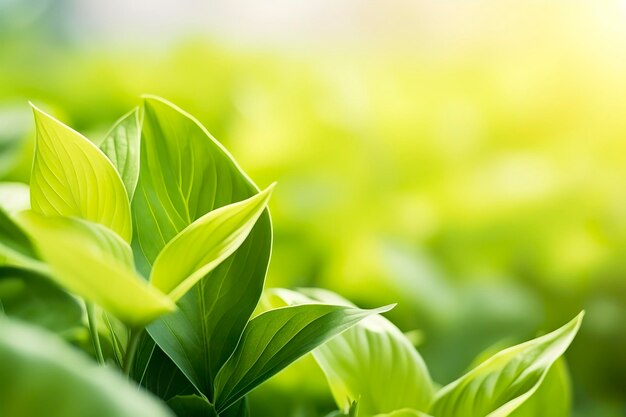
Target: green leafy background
{"type": "Point", "coordinates": [478, 184]}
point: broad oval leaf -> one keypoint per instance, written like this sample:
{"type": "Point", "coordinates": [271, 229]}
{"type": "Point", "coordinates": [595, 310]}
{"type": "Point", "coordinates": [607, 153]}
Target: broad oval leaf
{"type": "Point", "coordinates": [121, 146]}
{"type": "Point", "coordinates": [42, 376]}
{"type": "Point", "coordinates": [185, 173]}
{"type": "Point", "coordinates": [501, 384]}
{"type": "Point", "coordinates": [93, 262]}
{"type": "Point", "coordinates": [373, 362]}
{"type": "Point", "coordinates": [72, 177]}
{"type": "Point", "coordinates": [276, 338]}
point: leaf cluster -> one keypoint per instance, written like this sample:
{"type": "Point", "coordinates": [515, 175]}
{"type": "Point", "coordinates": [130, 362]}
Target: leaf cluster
{"type": "Point", "coordinates": [167, 241]}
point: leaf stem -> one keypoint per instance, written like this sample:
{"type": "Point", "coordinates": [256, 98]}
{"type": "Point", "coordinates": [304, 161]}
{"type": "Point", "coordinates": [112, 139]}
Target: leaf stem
{"type": "Point", "coordinates": [131, 349]}
{"type": "Point", "coordinates": [93, 331]}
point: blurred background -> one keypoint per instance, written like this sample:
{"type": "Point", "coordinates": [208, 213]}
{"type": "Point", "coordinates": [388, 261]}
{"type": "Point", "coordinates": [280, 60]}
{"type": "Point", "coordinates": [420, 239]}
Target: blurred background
{"type": "Point", "coordinates": [464, 158]}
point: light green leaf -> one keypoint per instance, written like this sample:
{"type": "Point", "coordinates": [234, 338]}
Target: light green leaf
{"type": "Point", "coordinates": [553, 397]}
{"type": "Point", "coordinates": [373, 362]}
{"type": "Point", "coordinates": [72, 177]}
{"type": "Point", "coordinates": [42, 376]}
{"type": "Point", "coordinates": [500, 385]}
{"type": "Point", "coordinates": [121, 145]}
{"type": "Point", "coordinates": [185, 173]}
{"type": "Point", "coordinates": [31, 297]}
{"type": "Point", "coordinates": [95, 263]}
{"type": "Point", "coordinates": [351, 411]}
{"type": "Point", "coordinates": [14, 197]}
{"type": "Point", "coordinates": [276, 338]}
{"type": "Point", "coordinates": [354, 411]}
{"type": "Point", "coordinates": [205, 244]}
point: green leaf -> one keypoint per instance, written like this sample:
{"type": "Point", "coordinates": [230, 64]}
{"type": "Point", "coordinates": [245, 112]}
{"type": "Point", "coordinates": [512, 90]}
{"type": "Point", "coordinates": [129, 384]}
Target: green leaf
{"type": "Point", "coordinates": [185, 173]}
{"type": "Point", "coordinates": [31, 297]}
{"type": "Point", "coordinates": [206, 243]}
{"type": "Point", "coordinates": [121, 145]}
{"type": "Point", "coordinates": [195, 405]}
{"type": "Point", "coordinates": [93, 262]}
{"type": "Point", "coordinates": [373, 362]}
{"type": "Point", "coordinates": [240, 409]}
{"type": "Point", "coordinates": [14, 197]}
{"type": "Point", "coordinates": [154, 370]}
{"type": "Point", "coordinates": [72, 177]}
{"type": "Point", "coordinates": [405, 412]}
{"type": "Point", "coordinates": [191, 406]}
{"type": "Point", "coordinates": [114, 335]}
{"type": "Point", "coordinates": [500, 385]}
{"type": "Point", "coordinates": [553, 397]}
{"type": "Point", "coordinates": [352, 410]}
{"type": "Point", "coordinates": [14, 243]}
{"type": "Point", "coordinates": [276, 338]}
{"type": "Point", "coordinates": [42, 376]}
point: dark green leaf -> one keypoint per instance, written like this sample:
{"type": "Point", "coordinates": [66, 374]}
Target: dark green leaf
{"type": "Point", "coordinates": [42, 376]}
{"type": "Point", "coordinates": [191, 406]}
{"type": "Point", "coordinates": [14, 243]}
{"type": "Point", "coordinates": [155, 371]}
{"type": "Point", "coordinates": [26, 295]}
{"type": "Point", "coordinates": [240, 409]}
{"type": "Point", "coordinates": [205, 244]}
{"type": "Point", "coordinates": [184, 174]}
{"type": "Point", "coordinates": [276, 338]}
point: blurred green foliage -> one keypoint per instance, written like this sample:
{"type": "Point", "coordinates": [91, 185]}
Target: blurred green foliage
{"type": "Point", "coordinates": [483, 193]}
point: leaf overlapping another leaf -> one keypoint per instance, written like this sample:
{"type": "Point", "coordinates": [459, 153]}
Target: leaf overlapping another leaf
{"type": "Point", "coordinates": [121, 145]}
{"type": "Point", "coordinates": [14, 242]}
{"type": "Point", "coordinates": [90, 260]}
{"type": "Point", "coordinates": [185, 174]}
{"type": "Point", "coordinates": [206, 243]}
{"type": "Point", "coordinates": [42, 376]}
{"type": "Point", "coordinates": [501, 384]}
{"type": "Point", "coordinates": [72, 177]}
{"type": "Point", "coordinates": [30, 296]}
{"type": "Point", "coordinates": [275, 338]}
{"type": "Point", "coordinates": [373, 362]}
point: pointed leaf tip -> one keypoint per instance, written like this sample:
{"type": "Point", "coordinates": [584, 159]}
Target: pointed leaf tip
{"type": "Point", "coordinates": [71, 177]}
{"type": "Point", "coordinates": [526, 365]}
{"type": "Point", "coordinates": [206, 243]}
